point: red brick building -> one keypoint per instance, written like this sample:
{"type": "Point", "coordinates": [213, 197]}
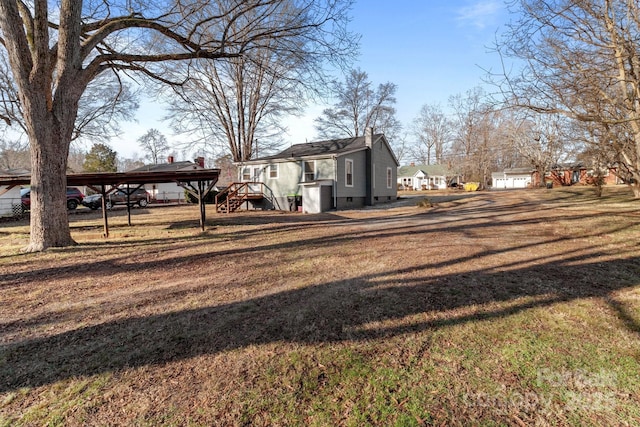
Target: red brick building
{"type": "Point", "coordinates": [562, 175]}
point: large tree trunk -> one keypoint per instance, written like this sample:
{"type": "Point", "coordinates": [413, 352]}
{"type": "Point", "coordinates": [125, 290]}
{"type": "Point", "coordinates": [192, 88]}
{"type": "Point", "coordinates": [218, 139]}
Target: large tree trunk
{"type": "Point", "coordinates": [49, 128]}
{"type": "Point", "coordinates": [50, 101]}
{"type": "Point", "coordinates": [49, 219]}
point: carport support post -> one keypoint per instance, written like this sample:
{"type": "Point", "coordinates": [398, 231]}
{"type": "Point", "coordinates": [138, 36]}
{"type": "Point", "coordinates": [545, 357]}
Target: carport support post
{"type": "Point", "coordinates": [128, 205]}
{"type": "Point", "coordinates": [201, 204]}
{"type": "Point", "coordinates": [104, 212]}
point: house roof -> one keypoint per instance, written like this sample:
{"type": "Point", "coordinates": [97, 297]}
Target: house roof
{"type": "Point", "coordinates": [429, 170]}
{"type": "Point", "coordinates": [518, 171]}
{"type": "Point", "coordinates": [320, 149]}
{"type": "Point", "coordinates": [512, 172]}
{"type": "Point", "coordinates": [168, 167]}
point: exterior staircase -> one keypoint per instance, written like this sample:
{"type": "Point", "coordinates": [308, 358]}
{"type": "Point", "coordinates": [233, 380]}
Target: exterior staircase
{"type": "Point", "coordinates": [236, 194]}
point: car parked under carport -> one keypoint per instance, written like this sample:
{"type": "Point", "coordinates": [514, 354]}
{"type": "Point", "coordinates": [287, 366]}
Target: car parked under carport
{"type": "Point", "coordinates": [74, 198]}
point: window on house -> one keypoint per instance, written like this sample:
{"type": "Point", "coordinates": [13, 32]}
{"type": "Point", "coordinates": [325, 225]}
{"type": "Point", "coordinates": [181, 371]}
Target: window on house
{"type": "Point", "coordinates": [389, 178]}
{"type": "Point", "coordinates": [246, 174]}
{"type": "Point", "coordinates": [273, 171]}
{"type": "Point", "coordinates": [348, 170]}
{"type": "Point", "coordinates": [309, 170]}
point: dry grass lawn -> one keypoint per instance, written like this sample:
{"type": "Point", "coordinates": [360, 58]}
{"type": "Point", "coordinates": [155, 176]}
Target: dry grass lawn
{"type": "Point", "coordinates": [504, 308]}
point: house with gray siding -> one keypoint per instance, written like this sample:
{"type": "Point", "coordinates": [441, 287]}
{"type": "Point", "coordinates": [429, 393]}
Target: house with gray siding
{"type": "Point", "coordinates": [319, 176]}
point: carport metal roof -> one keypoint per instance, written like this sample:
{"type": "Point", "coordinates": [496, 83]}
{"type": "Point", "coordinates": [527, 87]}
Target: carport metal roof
{"type": "Point", "coordinates": [106, 182]}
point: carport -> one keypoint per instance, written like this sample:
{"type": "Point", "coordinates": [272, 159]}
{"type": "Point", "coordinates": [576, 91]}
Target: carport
{"type": "Point", "coordinates": [198, 183]}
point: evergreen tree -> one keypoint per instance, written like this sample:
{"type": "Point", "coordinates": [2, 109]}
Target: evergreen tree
{"type": "Point", "coordinates": [101, 158]}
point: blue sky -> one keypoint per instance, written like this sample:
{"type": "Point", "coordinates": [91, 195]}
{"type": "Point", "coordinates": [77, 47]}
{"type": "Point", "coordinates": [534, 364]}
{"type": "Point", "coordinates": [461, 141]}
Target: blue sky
{"type": "Point", "coordinates": [431, 49]}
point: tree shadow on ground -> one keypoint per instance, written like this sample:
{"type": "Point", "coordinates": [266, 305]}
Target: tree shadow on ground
{"type": "Point", "coordinates": [390, 303]}
{"type": "Point", "coordinates": [362, 308]}
{"type": "Point", "coordinates": [363, 230]}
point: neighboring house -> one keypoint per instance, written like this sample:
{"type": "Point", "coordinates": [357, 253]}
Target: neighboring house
{"type": "Point", "coordinates": [319, 176]}
{"type": "Point", "coordinates": [10, 202]}
{"type": "Point", "coordinates": [168, 191]}
{"type": "Point", "coordinates": [424, 177]}
{"type": "Point", "coordinates": [512, 178]}
{"type": "Point", "coordinates": [559, 175]}
{"type": "Point", "coordinates": [577, 173]}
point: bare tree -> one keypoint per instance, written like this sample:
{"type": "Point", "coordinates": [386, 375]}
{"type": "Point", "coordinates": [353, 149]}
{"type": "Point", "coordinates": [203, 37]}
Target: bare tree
{"type": "Point", "coordinates": [580, 59]}
{"type": "Point", "coordinates": [472, 137]}
{"type": "Point", "coordinates": [154, 145]}
{"type": "Point", "coordinates": [55, 54]}
{"type": "Point", "coordinates": [432, 128]}
{"type": "Point", "coordinates": [14, 155]}
{"type": "Point", "coordinates": [541, 140]}
{"type": "Point", "coordinates": [599, 154]}
{"type": "Point", "coordinates": [359, 107]}
{"type": "Point", "coordinates": [482, 138]}
{"type": "Point", "coordinates": [10, 111]}
{"type": "Point", "coordinates": [75, 159]}
{"type": "Point", "coordinates": [105, 103]}
{"type": "Point", "coordinates": [125, 164]}
{"type": "Point", "coordinates": [509, 126]}
{"type": "Point", "coordinates": [235, 106]}
{"type": "Point", "coordinates": [400, 146]}
{"type": "Point", "coordinates": [231, 105]}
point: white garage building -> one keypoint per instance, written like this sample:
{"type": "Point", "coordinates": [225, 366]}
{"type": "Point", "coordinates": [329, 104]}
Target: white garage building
{"type": "Point", "coordinates": [511, 178]}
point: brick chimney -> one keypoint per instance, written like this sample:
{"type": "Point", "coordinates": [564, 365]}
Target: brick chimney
{"type": "Point", "coordinates": [200, 161]}
{"type": "Point", "coordinates": [170, 159]}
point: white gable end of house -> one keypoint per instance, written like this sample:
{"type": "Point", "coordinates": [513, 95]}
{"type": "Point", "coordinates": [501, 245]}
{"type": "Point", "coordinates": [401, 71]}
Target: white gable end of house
{"type": "Point", "coordinates": [511, 179]}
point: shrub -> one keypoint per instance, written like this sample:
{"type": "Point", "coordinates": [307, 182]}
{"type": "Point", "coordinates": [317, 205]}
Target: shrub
{"type": "Point", "coordinates": [424, 203]}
